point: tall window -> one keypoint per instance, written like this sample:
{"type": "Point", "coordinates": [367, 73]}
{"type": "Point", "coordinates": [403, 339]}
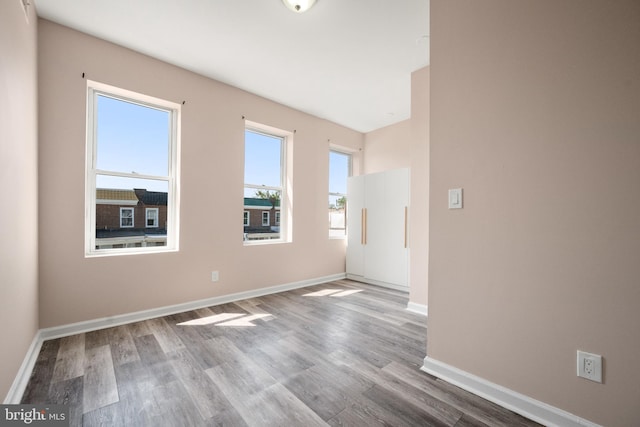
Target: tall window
{"type": "Point", "coordinates": [265, 191]}
{"type": "Point", "coordinates": [132, 172]}
{"type": "Point", "coordinates": [339, 171]}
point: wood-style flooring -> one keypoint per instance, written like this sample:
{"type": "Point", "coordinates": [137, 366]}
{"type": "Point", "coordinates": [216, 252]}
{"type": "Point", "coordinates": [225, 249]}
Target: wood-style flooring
{"type": "Point", "coordinates": [340, 354]}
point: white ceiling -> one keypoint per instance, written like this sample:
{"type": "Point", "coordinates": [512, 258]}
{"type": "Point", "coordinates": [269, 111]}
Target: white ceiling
{"type": "Point", "coordinates": [347, 61]}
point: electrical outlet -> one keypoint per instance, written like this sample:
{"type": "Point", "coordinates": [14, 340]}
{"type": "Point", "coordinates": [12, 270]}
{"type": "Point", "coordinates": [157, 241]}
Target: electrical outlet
{"type": "Point", "coordinates": [590, 366]}
{"type": "Point", "coordinates": [215, 276]}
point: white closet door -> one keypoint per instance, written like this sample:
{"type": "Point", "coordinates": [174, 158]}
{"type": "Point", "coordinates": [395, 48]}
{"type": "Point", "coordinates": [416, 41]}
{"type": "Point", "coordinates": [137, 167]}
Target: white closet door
{"type": "Point", "coordinates": [386, 253]}
{"type": "Point", "coordinates": [377, 220]}
{"type": "Point", "coordinates": [376, 248]}
{"type": "Point", "coordinates": [397, 217]}
{"type": "Point", "coordinates": [355, 209]}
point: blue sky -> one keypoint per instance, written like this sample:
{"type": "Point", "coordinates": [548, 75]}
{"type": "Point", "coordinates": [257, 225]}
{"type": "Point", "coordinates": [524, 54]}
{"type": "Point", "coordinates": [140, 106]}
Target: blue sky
{"type": "Point", "coordinates": [262, 160]}
{"type": "Point", "coordinates": [339, 166]}
{"type": "Point", "coordinates": [134, 138]}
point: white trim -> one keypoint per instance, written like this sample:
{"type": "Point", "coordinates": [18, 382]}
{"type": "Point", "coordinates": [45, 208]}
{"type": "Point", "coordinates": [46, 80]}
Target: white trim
{"type": "Point", "coordinates": [418, 308]}
{"type": "Point", "coordinates": [94, 90]}
{"type": "Point", "coordinates": [133, 217]}
{"type": "Point", "coordinates": [121, 319]}
{"type": "Point", "coordinates": [363, 279]}
{"type": "Point", "coordinates": [146, 219]}
{"type": "Point", "coordinates": [14, 396]}
{"type": "Point", "coordinates": [285, 187]}
{"type": "Point", "coordinates": [524, 405]}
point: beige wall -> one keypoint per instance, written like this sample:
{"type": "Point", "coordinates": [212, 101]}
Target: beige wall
{"type": "Point", "coordinates": [74, 288]}
{"type": "Point", "coordinates": [535, 112]}
{"type": "Point", "coordinates": [419, 218]}
{"type": "Point", "coordinates": [388, 148]}
{"type": "Point", "coordinates": [19, 175]}
{"type": "Point", "coordinates": [401, 145]}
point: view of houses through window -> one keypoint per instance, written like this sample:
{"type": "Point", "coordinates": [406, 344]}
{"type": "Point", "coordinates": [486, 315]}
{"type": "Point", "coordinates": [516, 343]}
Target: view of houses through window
{"type": "Point", "coordinates": [339, 171]}
{"type": "Point", "coordinates": [264, 177]}
{"type": "Point", "coordinates": [132, 171]}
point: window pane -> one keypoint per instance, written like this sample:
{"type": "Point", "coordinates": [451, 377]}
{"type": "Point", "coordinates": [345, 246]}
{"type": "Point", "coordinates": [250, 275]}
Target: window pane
{"type": "Point", "coordinates": [339, 171]}
{"type": "Point", "coordinates": [337, 216]}
{"type": "Point", "coordinates": [126, 217]}
{"type": "Point", "coordinates": [262, 214]}
{"type": "Point", "coordinates": [152, 217]}
{"type": "Point", "coordinates": [124, 207]}
{"type": "Point", "coordinates": [132, 138]}
{"type": "Point", "coordinates": [262, 159]}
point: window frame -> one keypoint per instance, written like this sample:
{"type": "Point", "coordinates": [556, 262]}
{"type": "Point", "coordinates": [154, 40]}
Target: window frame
{"type": "Point", "coordinates": [94, 90]}
{"type": "Point", "coordinates": [247, 218]}
{"type": "Point", "coordinates": [133, 217]}
{"type": "Point", "coordinates": [268, 222]}
{"type": "Point", "coordinates": [285, 188]}
{"type": "Point", "coordinates": [146, 217]}
{"type": "Point", "coordinates": [330, 193]}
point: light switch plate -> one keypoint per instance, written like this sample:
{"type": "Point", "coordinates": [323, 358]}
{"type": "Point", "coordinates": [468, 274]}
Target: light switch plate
{"type": "Point", "coordinates": [455, 198]}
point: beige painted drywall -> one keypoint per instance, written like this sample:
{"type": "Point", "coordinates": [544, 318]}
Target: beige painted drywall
{"type": "Point", "coordinates": [19, 176]}
{"type": "Point", "coordinates": [419, 215]}
{"type": "Point", "coordinates": [74, 288]}
{"type": "Point", "coordinates": [406, 144]}
{"type": "Point", "coordinates": [535, 112]}
{"type": "Point", "coordinates": [388, 148]}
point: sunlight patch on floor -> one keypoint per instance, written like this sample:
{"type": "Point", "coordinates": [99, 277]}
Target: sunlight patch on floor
{"type": "Point", "coordinates": [245, 321]}
{"type": "Point", "coordinates": [346, 293]}
{"type": "Point", "coordinates": [227, 319]}
{"type": "Point", "coordinates": [333, 293]}
{"type": "Point", "coordinates": [211, 319]}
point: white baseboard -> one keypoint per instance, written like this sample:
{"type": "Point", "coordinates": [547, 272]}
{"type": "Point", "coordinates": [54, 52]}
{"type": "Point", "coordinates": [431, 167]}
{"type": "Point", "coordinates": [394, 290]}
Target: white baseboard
{"type": "Point", "coordinates": [24, 373]}
{"type": "Point", "coordinates": [418, 308]}
{"type": "Point", "coordinates": [122, 319]}
{"type": "Point", "coordinates": [363, 279]}
{"type": "Point", "coordinates": [519, 403]}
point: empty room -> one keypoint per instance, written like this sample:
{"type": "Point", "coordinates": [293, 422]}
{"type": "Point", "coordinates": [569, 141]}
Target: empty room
{"type": "Point", "coordinates": [320, 212]}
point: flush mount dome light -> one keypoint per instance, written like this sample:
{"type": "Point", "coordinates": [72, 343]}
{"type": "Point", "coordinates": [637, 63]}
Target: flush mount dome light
{"type": "Point", "coordinates": [299, 6]}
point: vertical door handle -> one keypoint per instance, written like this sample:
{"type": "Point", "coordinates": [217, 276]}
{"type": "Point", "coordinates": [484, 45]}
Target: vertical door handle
{"type": "Point", "coordinates": [406, 220]}
{"type": "Point", "coordinates": [363, 231]}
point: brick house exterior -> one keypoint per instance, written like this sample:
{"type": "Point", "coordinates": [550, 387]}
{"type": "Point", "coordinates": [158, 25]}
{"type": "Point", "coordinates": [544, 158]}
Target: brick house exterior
{"type": "Point", "coordinates": [130, 218]}
{"type": "Point", "coordinates": [261, 218]}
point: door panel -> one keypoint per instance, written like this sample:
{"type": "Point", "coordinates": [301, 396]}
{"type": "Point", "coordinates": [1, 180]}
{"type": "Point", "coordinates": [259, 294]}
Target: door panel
{"type": "Point", "coordinates": [385, 198]}
{"type": "Point", "coordinates": [355, 206]}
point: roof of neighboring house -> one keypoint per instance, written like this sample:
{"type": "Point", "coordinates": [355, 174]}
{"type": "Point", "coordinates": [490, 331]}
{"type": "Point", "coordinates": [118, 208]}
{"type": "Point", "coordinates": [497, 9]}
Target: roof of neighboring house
{"type": "Point", "coordinates": [115, 194]}
{"type": "Point", "coordinates": [151, 197]}
{"type": "Point", "coordinates": [255, 201]}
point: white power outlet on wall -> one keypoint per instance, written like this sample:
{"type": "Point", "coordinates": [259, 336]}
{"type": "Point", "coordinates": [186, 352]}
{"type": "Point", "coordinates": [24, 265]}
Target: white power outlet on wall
{"type": "Point", "coordinates": [590, 366]}
{"type": "Point", "coordinates": [215, 276]}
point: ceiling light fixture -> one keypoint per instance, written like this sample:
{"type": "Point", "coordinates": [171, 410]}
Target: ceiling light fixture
{"type": "Point", "coordinates": [299, 6]}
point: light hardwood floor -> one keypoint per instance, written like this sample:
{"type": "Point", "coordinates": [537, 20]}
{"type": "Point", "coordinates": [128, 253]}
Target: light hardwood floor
{"type": "Point", "coordinates": [341, 354]}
